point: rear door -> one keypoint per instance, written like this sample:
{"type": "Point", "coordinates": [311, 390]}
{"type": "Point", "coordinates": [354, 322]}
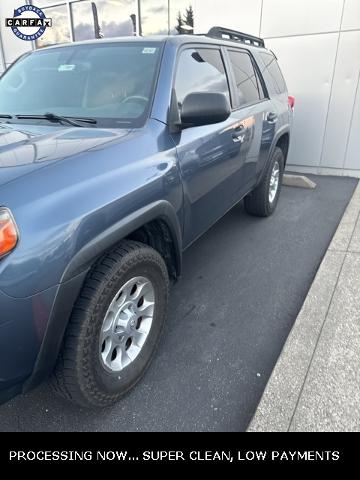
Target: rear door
{"type": "Point", "coordinates": [249, 104]}
{"type": "Point", "coordinates": [277, 113]}
{"type": "Point", "coordinates": [276, 86]}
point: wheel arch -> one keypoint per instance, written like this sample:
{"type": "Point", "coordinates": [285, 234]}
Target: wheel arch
{"type": "Point", "coordinates": [161, 213]}
{"type": "Point", "coordinates": [283, 142]}
{"type": "Point", "coordinates": [282, 139]}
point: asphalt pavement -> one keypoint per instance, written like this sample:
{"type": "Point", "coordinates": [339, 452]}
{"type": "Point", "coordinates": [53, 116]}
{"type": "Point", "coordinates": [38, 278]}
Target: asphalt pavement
{"type": "Point", "coordinates": [243, 285]}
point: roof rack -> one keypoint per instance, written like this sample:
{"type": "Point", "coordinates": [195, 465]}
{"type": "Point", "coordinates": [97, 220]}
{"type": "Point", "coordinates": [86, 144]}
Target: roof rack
{"type": "Point", "coordinates": [220, 32]}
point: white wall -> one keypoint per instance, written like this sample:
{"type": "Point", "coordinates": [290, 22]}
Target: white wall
{"type": "Point", "coordinates": [317, 43]}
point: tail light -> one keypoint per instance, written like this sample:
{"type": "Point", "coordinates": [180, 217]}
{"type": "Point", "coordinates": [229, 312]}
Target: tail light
{"type": "Point", "coordinates": [291, 101]}
{"type": "Point", "coordinates": [8, 232]}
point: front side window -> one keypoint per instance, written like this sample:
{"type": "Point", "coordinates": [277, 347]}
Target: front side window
{"type": "Point", "coordinates": [200, 70]}
{"type": "Point", "coordinates": [247, 85]}
{"type": "Point", "coordinates": [112, 83]}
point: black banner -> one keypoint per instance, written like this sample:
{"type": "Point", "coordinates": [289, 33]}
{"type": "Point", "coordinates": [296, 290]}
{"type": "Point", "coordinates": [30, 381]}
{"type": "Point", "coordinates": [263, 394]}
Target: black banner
{"type": "Point", "coordinates": [197, 449]}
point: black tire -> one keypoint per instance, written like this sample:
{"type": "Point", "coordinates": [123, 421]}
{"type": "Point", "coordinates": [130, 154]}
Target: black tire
{"type": "Point", "coordinates": [257, 202]}
{"type": "Point", "coordinates": [79, 374]}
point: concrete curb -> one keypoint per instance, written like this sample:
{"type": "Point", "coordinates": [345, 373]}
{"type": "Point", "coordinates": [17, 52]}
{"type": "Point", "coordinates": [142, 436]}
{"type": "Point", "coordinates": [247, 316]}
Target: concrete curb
{"type": "Point", "coordinates": [314, 385]}
{"type": "Point", "coordinates": [298, 181]}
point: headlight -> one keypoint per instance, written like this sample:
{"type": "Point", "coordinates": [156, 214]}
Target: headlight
{"type": "Point", "coordinates": [8, 232]}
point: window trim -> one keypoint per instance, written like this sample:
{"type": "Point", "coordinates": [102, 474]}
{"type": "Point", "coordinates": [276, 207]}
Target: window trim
{"type": "Point", "coordinates": [258, 75]}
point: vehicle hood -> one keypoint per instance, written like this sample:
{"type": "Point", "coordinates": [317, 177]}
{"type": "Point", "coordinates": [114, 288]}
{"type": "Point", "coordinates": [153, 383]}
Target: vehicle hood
{"type": "Point", "coordinates": [25, 148]}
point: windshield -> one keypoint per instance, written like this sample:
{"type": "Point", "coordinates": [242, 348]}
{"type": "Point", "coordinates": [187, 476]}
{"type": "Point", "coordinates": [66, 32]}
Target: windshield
{"type": "Point", "coordinates": [112, 83]}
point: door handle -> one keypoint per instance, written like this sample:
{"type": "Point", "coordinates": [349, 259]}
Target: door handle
{"type": "Point", "coordinates": [239, 128]}
{"type": "Point", "coordinates": [271, 117]}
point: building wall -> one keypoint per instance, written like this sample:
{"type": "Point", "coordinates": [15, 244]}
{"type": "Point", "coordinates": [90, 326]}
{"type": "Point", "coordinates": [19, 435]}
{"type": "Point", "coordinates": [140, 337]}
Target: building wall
{"type": "Point", "coordinates": [317, 43]}
{"type": "Point", "coordinates": [318, 47]}
{"type": "Point", "coordinates": [12, 47]}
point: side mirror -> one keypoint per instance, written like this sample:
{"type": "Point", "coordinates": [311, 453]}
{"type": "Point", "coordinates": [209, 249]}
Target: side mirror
{"type": "Point", "coordinates": [204, 108]}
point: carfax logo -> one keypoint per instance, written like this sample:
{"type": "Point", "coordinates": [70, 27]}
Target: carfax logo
{"type": "Point", "coordinates": [28, 23]}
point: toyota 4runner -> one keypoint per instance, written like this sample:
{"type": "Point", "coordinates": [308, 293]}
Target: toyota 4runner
{"type": "Point", "coordinates": [116, 155]}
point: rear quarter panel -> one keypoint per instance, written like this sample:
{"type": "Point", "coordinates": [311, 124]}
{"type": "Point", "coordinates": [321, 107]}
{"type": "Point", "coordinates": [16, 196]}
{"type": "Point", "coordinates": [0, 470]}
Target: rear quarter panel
{"type": "Point", "coordinates": [278, 103]}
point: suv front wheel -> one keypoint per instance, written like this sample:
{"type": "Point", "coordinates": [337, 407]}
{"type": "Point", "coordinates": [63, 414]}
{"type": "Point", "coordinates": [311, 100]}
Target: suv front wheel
{"type": "Point", "coordinates": [263, 200]}
{"type": "Point", "coordinates": [115, 326]}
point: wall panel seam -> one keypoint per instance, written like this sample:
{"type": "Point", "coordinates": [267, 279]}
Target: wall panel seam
{"type": "Point", "coordinates": [311, 34]}
{"type": "Point", "coordinates": [351, 121]}
{"type": "Point", "coordinates": [331, 88]}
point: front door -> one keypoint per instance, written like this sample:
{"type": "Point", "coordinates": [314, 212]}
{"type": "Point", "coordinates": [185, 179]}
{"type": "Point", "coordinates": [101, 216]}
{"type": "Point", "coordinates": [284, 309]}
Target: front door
{"type": "Point", "coordinates": [210, 157]}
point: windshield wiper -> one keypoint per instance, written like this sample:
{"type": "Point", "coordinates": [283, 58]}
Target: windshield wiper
{"type": "Point", "coordinates": [3, 115]}
{"type": "Point", "coordinates": [52, 117]}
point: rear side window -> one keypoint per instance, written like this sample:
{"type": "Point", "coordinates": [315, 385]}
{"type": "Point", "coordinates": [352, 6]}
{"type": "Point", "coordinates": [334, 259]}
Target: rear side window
{"type": "Point", "coordinates": [200, 70]}
{"type": "Point", "coordinates": [275, 72]}
{"type": "Point", "coordinates": [247, 83]}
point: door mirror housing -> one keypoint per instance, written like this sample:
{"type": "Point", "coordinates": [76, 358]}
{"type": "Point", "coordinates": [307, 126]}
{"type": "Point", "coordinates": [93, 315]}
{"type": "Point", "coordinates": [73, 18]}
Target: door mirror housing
{"type": "Point", "coordinates": [203, 108]}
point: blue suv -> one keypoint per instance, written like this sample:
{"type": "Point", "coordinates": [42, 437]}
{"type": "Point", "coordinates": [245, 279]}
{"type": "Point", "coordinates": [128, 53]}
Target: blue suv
{"type": "Point", "coordinates": [116, 155]}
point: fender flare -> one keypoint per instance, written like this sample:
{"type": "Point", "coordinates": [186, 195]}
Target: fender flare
{"type": "Point", "coordinates": [74, 275]}
{"type": "Point", "coordinates": [279, 133]}
{"type": "Point", "coordinates": [86, 256]}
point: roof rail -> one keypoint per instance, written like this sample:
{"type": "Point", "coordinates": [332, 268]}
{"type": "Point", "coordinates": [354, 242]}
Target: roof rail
{"type": "Point", "coordinates": [226, 33]}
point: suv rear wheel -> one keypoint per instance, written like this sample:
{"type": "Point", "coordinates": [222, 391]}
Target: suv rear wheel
{"type": "Point", "coordinates": [115, 326]}
{"type": "Point", "coordinates": [263, 200]}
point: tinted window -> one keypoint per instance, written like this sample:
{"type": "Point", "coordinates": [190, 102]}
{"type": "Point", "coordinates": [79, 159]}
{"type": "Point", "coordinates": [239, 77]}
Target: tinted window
{"type": "Point", "coordinates": [200, 70]}
{"type": "Point", "coordinates": [110, 82]}
{"type": "Point", "coordinates": [275, 72]}
{"type": "Point", "coordinates": [245, 78]}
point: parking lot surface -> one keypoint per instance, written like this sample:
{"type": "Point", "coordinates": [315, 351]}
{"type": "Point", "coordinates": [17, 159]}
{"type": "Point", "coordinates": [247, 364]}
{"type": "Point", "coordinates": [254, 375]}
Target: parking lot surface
{"type": "Point", "coordinates": [242, 287]}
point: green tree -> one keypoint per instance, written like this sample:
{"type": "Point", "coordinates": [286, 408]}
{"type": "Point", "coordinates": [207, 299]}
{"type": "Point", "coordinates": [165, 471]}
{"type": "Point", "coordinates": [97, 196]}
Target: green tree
{"type": "Point", "coordinates": [189, 16]}
{"type": "Point", "coordinates": [179, 23]}
{"type": "Point", "coordinates": [186, 19]}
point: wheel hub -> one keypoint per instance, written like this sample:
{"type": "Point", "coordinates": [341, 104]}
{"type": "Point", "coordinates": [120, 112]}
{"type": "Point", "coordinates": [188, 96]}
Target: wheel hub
{"type": "Point", "coordinates": [127, 324]}
{"type": "Point", "coordinates": [274, 182]}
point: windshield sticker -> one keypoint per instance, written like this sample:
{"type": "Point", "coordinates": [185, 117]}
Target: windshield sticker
{"type": "Point", "coordinates": [66, 68]}
{"type": "Point", "coordinates": [149, 50]}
